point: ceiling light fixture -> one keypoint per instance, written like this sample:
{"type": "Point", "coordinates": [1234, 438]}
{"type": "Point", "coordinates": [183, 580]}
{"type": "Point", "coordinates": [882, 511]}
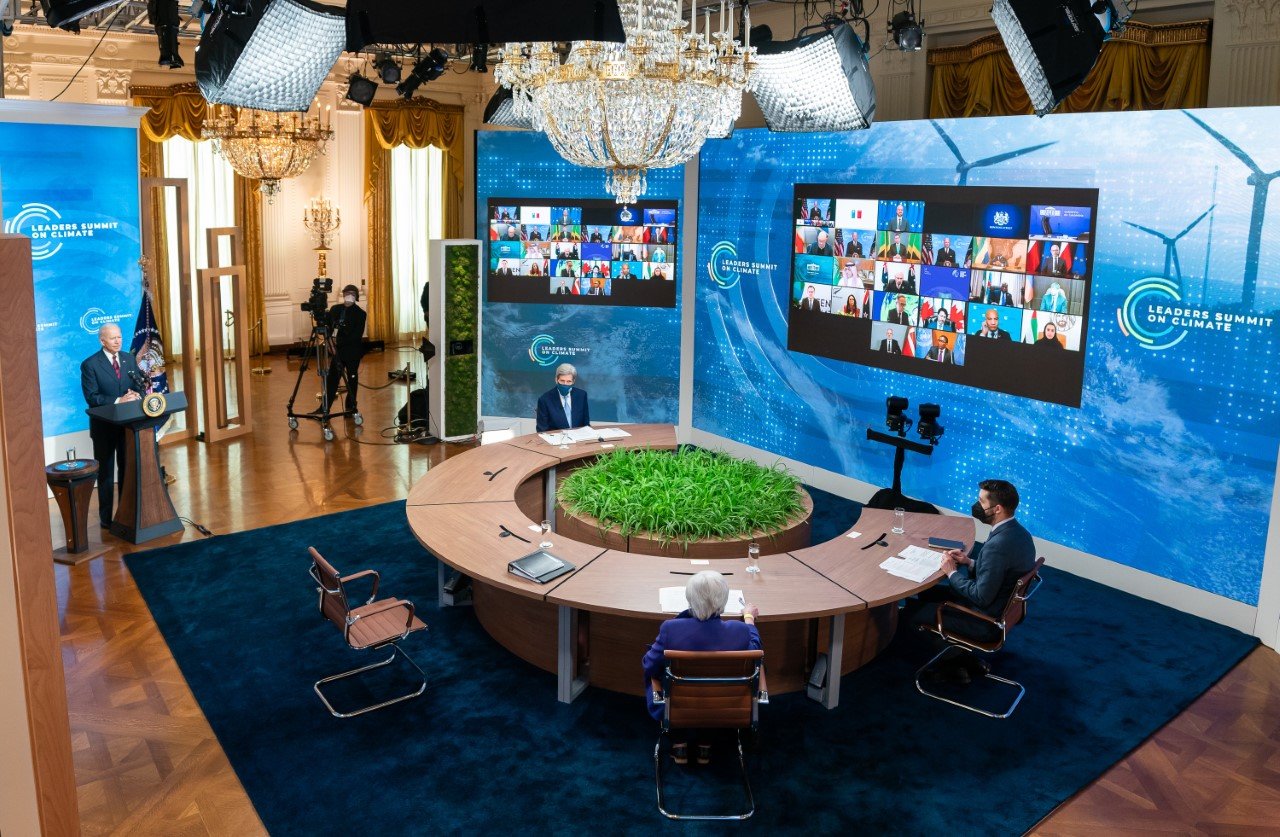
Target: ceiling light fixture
{"type": "Point", "coordinates": [1054, 45]}
{"type": "Point", "coordinates": [906, 30]}
{"type": "Point", "coordinates": [648, 103]}
{"type": "Point", "coordinates": [388, 69]}
{"type": "Point", "coordinates": [268, 147]}
{"type": "Point", "coordinates": [274, 58]}
{"type": "Point", "coordinates": [815, 83]}
{"type": "Point", "coordinates": [361, 90]}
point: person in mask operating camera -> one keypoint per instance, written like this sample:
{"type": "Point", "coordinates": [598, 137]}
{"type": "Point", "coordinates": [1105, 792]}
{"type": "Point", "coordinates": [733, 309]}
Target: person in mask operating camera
{"type": "Point", "coordinates": [984, 579]}
{"type": "Point", "coordinates": [564, 406]}
{"type": "Point", "coordinates": [346, 325]}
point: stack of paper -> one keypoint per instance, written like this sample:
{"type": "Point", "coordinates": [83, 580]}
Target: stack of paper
{"type": "Point", "coordinates": [915, 564]}
{"type": "Point", "coordinates": [555, 438]}
{"type": "Point", "coordinates": [672, 600]}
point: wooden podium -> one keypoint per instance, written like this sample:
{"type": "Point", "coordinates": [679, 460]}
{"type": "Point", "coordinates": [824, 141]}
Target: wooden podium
{"type": "Point", "coordinates": [145, 510]}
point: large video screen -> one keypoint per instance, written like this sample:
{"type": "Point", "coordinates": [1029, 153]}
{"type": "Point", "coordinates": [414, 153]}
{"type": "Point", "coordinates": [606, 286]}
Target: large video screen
{"type": "Point", "coordinates": [982, 286]}
{"type": "Point", "coordinates": [582, 252]}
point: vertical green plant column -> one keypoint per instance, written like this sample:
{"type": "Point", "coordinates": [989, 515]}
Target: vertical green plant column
{"type": "Point", "coordinates": [462, 322]}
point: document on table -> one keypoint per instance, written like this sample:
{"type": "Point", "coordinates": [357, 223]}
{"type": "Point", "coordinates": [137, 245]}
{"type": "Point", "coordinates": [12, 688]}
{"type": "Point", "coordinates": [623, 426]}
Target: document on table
{"type": "Point", "coordinates": [672, 600]}
{"type": "Point", "coordinates": [555, 438]}
{"type": "Point", "coordinates": [915, 564]}
{"type": "Point", "coordinates": [592, 434]}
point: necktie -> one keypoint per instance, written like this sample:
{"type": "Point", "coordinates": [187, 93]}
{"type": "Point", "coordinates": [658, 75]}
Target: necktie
{"type": "Point", "coordinates": [115, 364]}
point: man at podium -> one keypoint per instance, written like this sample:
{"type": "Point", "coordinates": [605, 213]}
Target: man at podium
{"type": "Point", "coordinates": [107, 377]}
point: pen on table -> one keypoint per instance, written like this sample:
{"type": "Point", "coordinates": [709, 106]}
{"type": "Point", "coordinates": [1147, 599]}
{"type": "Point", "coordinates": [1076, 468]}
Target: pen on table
{"type": "Point", "coordinates": [678, 572]}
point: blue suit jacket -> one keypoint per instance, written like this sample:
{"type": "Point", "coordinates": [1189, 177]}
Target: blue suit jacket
{"type": "Point", "coordinates": [99, 383]}
{"type": "Point", "coordinates": [551, 411]}
{"type": "Point", "coordinates": [1008, 554]}
{"type": "Point", "coordinates": [685, 633]}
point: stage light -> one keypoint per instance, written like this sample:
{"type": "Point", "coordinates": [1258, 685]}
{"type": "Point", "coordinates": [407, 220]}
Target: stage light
{"type": "Point", "coordinates": [501, 110]}
{"type": "Point", "coordinates": [427, 68]}
{"type": "Point", "coordinates": [928, 426]}
{"type": "Point", "coordinates": [896, 419]}
{"type": "Point", "coordinates": [361, 90]}
{"type": "Point", "coordinates": [907, 32]}
{"type": "Point", "coordinates": [1113, 15]}
{"type": "Point", "coordinates": [388, 69]}
{"type": "Point", "coordinates": [480, 58]}
{"type": "Point", "coordinates": [275, 58]}
{"type": "Point", "coordinates": [1053, 45]}
{"type": "Point", "coordinates": [814, 83]}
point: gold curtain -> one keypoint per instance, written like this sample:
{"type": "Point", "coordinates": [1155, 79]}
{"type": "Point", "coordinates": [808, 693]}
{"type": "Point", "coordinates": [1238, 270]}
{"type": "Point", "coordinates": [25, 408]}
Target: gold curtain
{"type": "Point", "coordinates": [1148, 67]}
{"type": "Point", "coordinates": [416, 123]}
{"type": "Point", "coordinates": [179, 111]}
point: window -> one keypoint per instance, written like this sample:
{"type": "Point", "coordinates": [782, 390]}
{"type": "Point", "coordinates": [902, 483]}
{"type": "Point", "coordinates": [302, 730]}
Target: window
{"type": "Point", "coordinates": [416, 218]}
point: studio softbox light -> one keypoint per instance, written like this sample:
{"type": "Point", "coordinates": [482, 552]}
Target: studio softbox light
{"type": "Point", "coordinates": [815, 83]}
{"type": "Point", "coordinates": [63, 13]}
{"type": "Point", "coordinates": [1053, 45]}
{"type": "Point", "coordinates": [480, 22]}
{"type": "Point", "coordinates": [274, 57]}
{"type": "Point", "coordinates": [501, 110]}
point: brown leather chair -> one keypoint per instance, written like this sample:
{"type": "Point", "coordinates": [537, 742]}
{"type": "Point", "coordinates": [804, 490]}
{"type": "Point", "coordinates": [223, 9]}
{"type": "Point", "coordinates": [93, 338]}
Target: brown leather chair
{"type": "Point", "coordinates": [377, 623]}
{"type": "Point", "coordinates": [1015, 612]}
{"type": "Point", "coordinates": [709, 690]}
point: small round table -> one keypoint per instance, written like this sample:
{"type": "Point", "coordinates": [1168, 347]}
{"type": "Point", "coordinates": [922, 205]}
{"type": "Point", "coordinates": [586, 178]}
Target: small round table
{"type": "Point", "coordinates": [72, 482]}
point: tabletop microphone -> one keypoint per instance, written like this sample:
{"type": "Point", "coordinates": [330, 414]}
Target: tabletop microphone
{"type": "Point", "coordinates": [139, 382]}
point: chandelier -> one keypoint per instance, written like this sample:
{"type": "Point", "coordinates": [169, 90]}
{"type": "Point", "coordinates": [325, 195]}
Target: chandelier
{"type": "Point", "coordinates": [649, 103]}
{"type": "Point", "coordinates": [264, 146]}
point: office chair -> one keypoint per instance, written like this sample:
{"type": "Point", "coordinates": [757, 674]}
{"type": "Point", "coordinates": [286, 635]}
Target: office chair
{"type": "Point", "coordinates": [377, 623]}
{"type": "Point", "coordinates": [709, 690]}
{"type": "Point", "coordinates": [1014, 613]}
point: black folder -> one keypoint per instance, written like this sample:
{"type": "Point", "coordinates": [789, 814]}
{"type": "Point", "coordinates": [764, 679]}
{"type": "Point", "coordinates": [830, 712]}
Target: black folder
{"type": "Point", "coordinates": [540, 566]}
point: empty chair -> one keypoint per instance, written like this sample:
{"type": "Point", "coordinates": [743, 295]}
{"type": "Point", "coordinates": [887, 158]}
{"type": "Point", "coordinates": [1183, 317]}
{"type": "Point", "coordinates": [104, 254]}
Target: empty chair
{"type": "Point", "coordinates": [377, 623]}
{"type": "Point", "coordinates": [709, 690]}
{"type": "Point", "coordinates": [1015, 612]}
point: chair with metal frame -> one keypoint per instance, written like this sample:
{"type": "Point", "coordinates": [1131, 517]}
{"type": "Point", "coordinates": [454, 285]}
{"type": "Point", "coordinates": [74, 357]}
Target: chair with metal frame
{"type": "Point", "coordinates": [1014, 613]}
{"type": "Point", "coordinates": [709, 690]}
{"type": "Point", "coordinates": [377, 623]}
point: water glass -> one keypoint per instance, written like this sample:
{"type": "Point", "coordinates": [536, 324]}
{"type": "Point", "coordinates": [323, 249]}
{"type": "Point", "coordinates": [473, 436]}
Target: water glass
{"type": "Point", "coordinates": [899, 515]}
{"type": "Point", "coordinates": [71, 454]}
{"type": "Point", "coordinates": [546, 535]}
{"type": "Point", "coordinates": [753, 557]}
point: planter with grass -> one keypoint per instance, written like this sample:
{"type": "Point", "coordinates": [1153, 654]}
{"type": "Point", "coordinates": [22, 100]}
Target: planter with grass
{"type": "Point", "coordinates": [688, 503]}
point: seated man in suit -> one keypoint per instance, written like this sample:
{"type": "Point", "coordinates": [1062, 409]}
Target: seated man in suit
{"type": "Point", "coordinates": [889, 345]}
{"type": "Point", "coordinates": [941, 351]}
{"type": "Point", "coordinates": [564, 287]}
{"type": "Point", "coordinates": [898, 223]}
{"type": "Point", "coordinates": [853, 248]}
{"type": "Point", "coordinates": [1001, 295]}
{"type": "Point", "coordinates": [107, 377]}
{"type": "Point", "coordinates": [946, 256]}
{"type": "Point", "coordinates": [564, 406]}
{"type": "Point", "coordinates": [897, 251]}
{"type": "Point", "coordinates": [1054, 264]}
{"type": "Point", "coordinates": [899, 315]}
{"type": "Point", "coordinates": [699, 628]}
{"type": "Point", "coordinates": [808, 302]}
{"type": "Point", "coordinates": [984, 579]}
{"type": "Point", "coordinates": [991, 327]}
{"type": "Point", "coordinates": [821, 245]}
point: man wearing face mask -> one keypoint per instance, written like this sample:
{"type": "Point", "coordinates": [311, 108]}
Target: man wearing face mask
{"type": "Point", "coordinates": [984, 579]}
{"type": "Point", "coordinates": [564, 406]}
{"type": "Point", "coordinates": [346, 324]}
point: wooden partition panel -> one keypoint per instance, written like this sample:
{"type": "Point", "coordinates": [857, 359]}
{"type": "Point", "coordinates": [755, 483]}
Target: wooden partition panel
{"type": "Point", "coordinates": [29, 545]}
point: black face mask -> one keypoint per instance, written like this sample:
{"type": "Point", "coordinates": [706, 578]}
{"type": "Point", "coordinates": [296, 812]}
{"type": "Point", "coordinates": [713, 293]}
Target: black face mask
{"type": "Point", "coordinates": [983, 515]}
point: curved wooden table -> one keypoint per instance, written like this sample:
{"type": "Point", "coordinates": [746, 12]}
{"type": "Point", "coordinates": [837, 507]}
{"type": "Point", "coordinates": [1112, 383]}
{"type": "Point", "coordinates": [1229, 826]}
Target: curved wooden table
{"type": "Point", "coordinates": [592, 626]}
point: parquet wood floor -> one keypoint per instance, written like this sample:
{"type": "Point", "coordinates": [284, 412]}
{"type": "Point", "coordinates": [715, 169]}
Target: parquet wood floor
{"type": "Point", "coordinates": [148, 763]}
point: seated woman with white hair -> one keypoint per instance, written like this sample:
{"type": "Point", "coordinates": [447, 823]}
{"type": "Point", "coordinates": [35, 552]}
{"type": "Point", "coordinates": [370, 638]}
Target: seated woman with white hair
{"type": "Point", "coordinates": [699, 628]}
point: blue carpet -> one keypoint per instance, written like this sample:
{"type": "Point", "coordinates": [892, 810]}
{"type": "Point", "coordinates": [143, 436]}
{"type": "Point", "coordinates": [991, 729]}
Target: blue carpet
{"type": "Point", "coordinates": [489, 748]}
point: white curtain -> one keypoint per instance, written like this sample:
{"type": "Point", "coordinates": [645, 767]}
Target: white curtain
{"type": "Point", "coordinates": [416, 216]}
{"type": "Point", "coordinates": [211, 193]}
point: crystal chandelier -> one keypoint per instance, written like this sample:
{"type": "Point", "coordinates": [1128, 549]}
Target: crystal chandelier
{"type": "Point", "coordinates": [264, 146]}
{"type": "Point", "coordinates": [649, 103]}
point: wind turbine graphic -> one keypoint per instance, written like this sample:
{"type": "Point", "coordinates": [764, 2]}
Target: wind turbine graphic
{"type": "Point", "coordinates": [963, 166]}
{"type": "Point", "coordinates": [1261, 182]}
{"type": "Point", "coordinates": [1171, 248]}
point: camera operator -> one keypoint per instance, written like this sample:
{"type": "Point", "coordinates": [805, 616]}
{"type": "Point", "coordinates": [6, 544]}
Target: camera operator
{"type": "Point", "coordinates": [346, 325]}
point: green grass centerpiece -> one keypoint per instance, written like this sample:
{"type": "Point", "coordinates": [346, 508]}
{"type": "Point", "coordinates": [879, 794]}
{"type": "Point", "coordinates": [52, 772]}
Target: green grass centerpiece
{"type": "Point", "coordinates": [687, 495]}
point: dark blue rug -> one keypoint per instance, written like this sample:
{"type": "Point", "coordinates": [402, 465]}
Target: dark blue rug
{"type": "Point", "coordinates": [489, 748]}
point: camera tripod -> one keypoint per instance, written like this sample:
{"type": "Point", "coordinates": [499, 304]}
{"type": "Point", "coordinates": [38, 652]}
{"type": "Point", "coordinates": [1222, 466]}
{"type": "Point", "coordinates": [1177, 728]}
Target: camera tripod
{"type": "Point", "coordinates": [317, 349]}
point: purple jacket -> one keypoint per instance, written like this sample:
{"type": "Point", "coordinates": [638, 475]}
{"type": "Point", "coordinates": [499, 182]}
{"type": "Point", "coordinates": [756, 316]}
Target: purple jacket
{"type": "Point", "coordinates": [685, 633]}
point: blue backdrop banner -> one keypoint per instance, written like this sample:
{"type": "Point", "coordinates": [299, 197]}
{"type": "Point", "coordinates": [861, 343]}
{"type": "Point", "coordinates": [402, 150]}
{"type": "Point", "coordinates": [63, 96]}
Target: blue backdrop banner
{"type": "Point", "coordinates": [628, 359]}
{"type": "Point", "coordinates": [73, 190]}
{"type": "Point", "coordinates": [1168, 464]}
